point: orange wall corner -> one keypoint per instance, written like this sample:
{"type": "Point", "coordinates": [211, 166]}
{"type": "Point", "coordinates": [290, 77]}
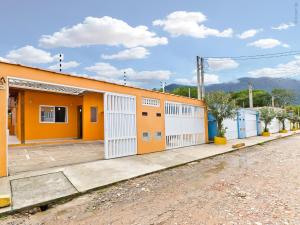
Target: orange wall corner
{"type": "Point", "coordinates": [93, 130]}
{"type": "Point", "coordinates": [3, 127]}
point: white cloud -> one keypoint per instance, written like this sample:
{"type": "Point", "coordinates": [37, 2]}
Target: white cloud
{"type": "Point", "coordinates": [102, 31]}
{"type": "Point", "coordinates": [189, 24]}
{"type": "Point", "coordinates": [283, 26]}
{"type": "Point", "coordinates": [65, 65]}
{"type": "Point", "coordinates": [4, 60]}
{"type": "Point", "coordinates": [208, 79]}
{"type": "Point", "coordinates": [249, 33]}
{"type": "Point", "coordinates": [268, 43]}
{"type": "Point", "coordinates": [222, 64]}
{"type": "Point", "coordinates": [289, 69]}
{"type": "Point", "coordinates": [132, 53]}
{"type": "Point", "coordinates": [30, 55]}
{"type": "Point", "coordinates": [107, 71]}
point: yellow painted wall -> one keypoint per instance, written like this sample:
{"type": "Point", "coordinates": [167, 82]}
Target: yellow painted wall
{"type": "Point", "coordinates": [34, 129]}
{"type": "Point", "coordinates": [3, 127]}
{"type": "Point", "coordinates": [93, 130]}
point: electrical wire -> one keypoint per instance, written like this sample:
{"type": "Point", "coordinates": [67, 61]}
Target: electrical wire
{"type": "Point", "coordinates": [251, 57]}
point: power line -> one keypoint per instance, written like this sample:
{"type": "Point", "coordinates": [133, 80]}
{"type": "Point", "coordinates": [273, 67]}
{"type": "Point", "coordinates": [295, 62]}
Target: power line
{"type": "Point", "coordinates": [250, 57]}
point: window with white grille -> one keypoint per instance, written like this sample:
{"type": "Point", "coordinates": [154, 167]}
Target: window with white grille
{"type": "Point", "coordinates": [151, 102]}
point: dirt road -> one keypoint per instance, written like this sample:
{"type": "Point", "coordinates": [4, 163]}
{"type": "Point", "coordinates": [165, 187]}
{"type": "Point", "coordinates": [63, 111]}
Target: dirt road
{"type": "Point", "coordinates": [258, 185]}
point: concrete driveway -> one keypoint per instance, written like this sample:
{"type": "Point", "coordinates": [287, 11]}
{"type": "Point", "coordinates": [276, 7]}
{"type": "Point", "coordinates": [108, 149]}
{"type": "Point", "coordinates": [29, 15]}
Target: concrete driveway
{"type": "Point", "coordinates": [30, 158]}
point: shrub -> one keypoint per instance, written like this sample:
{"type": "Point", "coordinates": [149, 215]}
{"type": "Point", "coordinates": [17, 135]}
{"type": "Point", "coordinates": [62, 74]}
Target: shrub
{"type": "Point", "coordinates": [267, 114]}
{"type": "Point", "coordinates": [221, 107]}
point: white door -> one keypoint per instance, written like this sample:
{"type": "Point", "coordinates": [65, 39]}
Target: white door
{"type": "Point", "coordinates": [120, 125]}
{"type": "Point", "coordinates": [231, 128]}
{"type": "Point", "coordinates": [250, 124]}
{"type": "Point", "coordinates": [184, 125]}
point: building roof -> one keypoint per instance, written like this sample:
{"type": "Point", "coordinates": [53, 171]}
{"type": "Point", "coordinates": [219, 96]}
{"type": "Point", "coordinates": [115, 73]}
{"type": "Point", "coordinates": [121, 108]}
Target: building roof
{"type": "Point", "coordinates": [88, 78]}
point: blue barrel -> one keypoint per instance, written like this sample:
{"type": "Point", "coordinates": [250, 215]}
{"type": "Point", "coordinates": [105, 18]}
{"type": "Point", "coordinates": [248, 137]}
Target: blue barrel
{"type": "Point", "coordinates": [212, 127]}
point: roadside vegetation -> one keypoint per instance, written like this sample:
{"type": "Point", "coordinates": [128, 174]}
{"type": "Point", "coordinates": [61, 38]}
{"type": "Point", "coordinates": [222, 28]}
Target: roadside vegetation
{"type": "Point", "coordinates": [221, 107]}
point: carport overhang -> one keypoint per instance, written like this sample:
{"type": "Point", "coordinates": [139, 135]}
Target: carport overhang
{"type": "Point", "coordinates": [8, 82]}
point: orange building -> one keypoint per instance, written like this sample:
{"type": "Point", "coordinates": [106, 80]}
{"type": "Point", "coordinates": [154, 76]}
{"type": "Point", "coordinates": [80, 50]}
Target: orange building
{"type": "Point", "coordinates": [38, 105]}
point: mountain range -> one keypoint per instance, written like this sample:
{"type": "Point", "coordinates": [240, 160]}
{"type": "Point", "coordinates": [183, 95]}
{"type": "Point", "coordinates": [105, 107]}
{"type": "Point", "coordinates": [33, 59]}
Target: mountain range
{"type": "Point", "coordinates": [262, 83]}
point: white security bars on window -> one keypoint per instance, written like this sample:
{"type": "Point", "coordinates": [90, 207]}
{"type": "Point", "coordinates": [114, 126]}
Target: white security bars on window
{"type": "Point", "coordinates": [184, 125]}
{"type": "Point", "coordinates": [120, 125]}
{"type": "Point", "coordinates": [151, 102]}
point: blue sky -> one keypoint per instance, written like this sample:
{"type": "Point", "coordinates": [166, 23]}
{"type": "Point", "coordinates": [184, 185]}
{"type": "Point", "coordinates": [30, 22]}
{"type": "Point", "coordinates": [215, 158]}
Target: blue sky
{"type": "Point", "coordinates": [151, 40]}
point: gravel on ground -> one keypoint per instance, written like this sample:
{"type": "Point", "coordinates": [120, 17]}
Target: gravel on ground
{"type": "Point", "coordinates": [257, 185]}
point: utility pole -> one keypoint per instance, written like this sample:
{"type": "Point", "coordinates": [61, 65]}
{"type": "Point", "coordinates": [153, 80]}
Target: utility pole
{"type": "Point", "coordinates": [200, 77]}
{"type": "Point", "coordinates": [60, 62]}
{"type": "Point", "coordinates": [250, 95]}
{"type": "Point", "coordinates": [296, 13]}
{"type": "Point", "coordinates": [124, 78]}
{"type": "Point", "coordinates": [163, 85]}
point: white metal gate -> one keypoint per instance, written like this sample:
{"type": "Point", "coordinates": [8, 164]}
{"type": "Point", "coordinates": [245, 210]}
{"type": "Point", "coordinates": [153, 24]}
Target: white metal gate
{"type": "Point", "coordinates": [250, 123]}
{"type": "Point", "coordinates": [184, 125]}
{"type": "Point", "coordinates": [120, 125]}
{"type": "Point", "coordinates": [231, 128]}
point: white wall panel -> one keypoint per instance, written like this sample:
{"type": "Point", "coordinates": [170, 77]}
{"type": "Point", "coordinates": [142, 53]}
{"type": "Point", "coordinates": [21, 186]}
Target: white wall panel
{"type": "Point", "coordinates": [232, 128]}
{"type": "Point", "coordinates": [250, 124]}
{"type": "Point", "coordinates": [184, 125]}
{"type": "Point", "coordinates": [120, 125]}
{"type": "Point", "coordinates": [287, 125]}
{"type": "Point", "coordinates": [274, 126]}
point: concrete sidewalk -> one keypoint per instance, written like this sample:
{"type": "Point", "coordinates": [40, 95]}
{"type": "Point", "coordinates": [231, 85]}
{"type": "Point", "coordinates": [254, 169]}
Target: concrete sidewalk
{"type": "Point", "coordinates": [41, 187]}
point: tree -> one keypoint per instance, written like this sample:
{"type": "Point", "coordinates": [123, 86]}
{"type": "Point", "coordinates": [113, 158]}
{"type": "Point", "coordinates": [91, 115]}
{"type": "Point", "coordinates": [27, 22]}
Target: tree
{"type": "Point", "coordinates": [267, 114]}
{"type": "Point", "coordinates": [184, 91]}
{"type": "Point", "coordinates": [283, 97]}
{"type": "Point", "coordinates": [221, 107]}
{"type": "Point", "coordinates": [260, 98]}
{"type": "Point", "coordinates": [294, 119]}
{"type": "Point", "coordinates": [282, 116]}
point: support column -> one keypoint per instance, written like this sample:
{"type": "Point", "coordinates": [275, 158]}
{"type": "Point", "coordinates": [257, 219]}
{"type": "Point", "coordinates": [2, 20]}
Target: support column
{"type": "Point", "coordinates": [22, 111]}
{"type": "Point", "coordinates": [3, 124]}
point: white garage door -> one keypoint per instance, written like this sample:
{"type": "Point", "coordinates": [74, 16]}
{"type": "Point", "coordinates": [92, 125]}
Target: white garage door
{"type": "Point", "coordinates": [232, 128]}
{"type": "Point", "coordinates": [184, 125]}
{"type": "Point", "coordinates": [120, 125]}
{"type": "Point", "coordinates": [250, 124]}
